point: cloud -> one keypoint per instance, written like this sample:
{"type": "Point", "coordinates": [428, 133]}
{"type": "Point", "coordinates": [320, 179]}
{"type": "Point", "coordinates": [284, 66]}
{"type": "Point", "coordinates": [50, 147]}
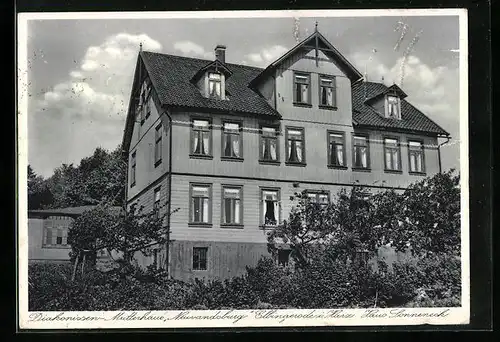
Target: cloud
{"type": "Point", "coordinates": [89, 108]}
{"type": "Point", "coordinates": [191, 49]}
{"type": "Point", "coordinates": [267, 55]}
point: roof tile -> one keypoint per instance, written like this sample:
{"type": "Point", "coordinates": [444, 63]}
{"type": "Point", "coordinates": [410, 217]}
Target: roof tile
{"type": "Point", "coordinates": [411, 118]}
{"type": "Point", "coordinates": [171, 77]}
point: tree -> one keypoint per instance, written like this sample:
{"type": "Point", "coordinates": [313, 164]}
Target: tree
{"type": "Point", "coordinates": [425, 218]}
{"type": "Point", "coordinates": [430, 212]}
{"type": "Point", "coordinates": [342, 226]}
{"type": "Point", "coordinates": [121, 231]}
{"type": "Point", "coordinates": [39, 194]}
{"type": "Point", "coordinates": [99, 177]}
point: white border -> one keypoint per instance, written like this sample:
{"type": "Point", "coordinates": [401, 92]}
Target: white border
{"type": "Point", "coordinates": [454, 315]}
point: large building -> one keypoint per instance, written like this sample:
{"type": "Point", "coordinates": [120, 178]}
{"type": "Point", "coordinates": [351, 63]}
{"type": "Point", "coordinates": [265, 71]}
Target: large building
{"type": "Point", "coordinates": [228, 145]}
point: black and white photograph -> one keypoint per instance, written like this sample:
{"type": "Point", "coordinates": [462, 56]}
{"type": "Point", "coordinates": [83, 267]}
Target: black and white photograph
{"type": "Point", "coordinates": [243, 169]}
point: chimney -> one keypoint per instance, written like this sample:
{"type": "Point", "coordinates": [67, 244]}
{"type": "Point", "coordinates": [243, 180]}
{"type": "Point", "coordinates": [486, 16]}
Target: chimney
{"type": "Point", "coordinates": [220, 53]}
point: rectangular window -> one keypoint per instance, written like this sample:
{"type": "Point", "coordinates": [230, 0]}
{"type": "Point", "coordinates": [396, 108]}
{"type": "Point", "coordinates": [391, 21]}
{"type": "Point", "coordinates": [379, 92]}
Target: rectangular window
{"type": "Point", "coordinates": [320, 197]}
{"type": "Point", "coordinates": [65, 237]}
{"type": "Point", "coordinates": [143, 107]}
{"type": "Point", "coordinates": [214, 85]}
{"type": "Point", "coordinates": [156, 204]}
{"type": "Point", "coordinates": [302, 88]}
{"type": "Point", "coordinates": [232, 205]}
{"type": "Point", "coordinates": [283, 257]}
{"type": "Point", "coordinates": [270, 207]}
{"type": "Point", "coordinates": [327, 93]}
{"type": "Point", "coordinates": [361, 152]}
{"type": "Point", "coordinates": [158, 144]}
{"type": "Point", "coordinates": [269, 144]}
{"type": "Point", "coordinates": [361, 257]}
{"type": "Point", "coordinates": [232, 140]}
{"type": "Point", "coordinates": [148, 108]}
{"type": "Point", "coordinates": [392, 154]}
{"type": "Point", "coordinates": [295, 145]}
{"type": "Point", "coordinates": [59, 238]}
{"type": "Point", "coordinates": [416, 155]}
{"type": "Point", "coordinates": [55, 236]}
{"type": "Point", "coordinates": [48, 236]}
{"type": "Point", "coordinates": [201, 138]}
{"type": "Point", "coordinates": [140, 112]}
{"type": "Point", "coordinates": [200, 258]}
{"type": "Point", "coordinates": [133, 169]}
{"type": "Point", "coordinates": [336, 148]}
{"type": "Point", "coordinates": [392, 106]}
{"type": "Point", "coordinates": [201, 197]}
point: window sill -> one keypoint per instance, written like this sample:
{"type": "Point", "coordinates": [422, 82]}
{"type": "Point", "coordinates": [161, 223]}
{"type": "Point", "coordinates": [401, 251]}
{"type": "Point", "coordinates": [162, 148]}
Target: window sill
{"type": "Point", "coordinates": [393, 171]}
{"type": "Point", "coordinates": [301, 104]}
{"type": "Point", "coordinates": [233, 159]}
{"type": "Point", "coordinates": [231, 225]}
{"type": "Point", "coordinates": [288, 163]}
{"type": "Point", "coordinates": [158, 163]}
{"type": "Point", "coordinates": [415, 173]}
{"type": "Point", "coordinates": [327, 107]}
{"type": "Point", "coordinates": [199, 225]}
{"type": "Point", "coordinates": [264, 227]}
{"type": "Point", "coordinates": [362, 169]}
{"type": "Point", "coordinates": [195, 270]}
{"type": "Point", "coordinates": [201, 156]}
{"type": "Point", "coordinates": [269, 162]}
{"type": "Point", "coordinates": [56, 247]}
{"type": "Point", "coordinates": [338, 167]}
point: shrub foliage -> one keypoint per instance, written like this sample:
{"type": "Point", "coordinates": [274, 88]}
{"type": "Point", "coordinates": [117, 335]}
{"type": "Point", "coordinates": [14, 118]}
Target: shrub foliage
{"type": "Point", "coordinates": [326, 241]}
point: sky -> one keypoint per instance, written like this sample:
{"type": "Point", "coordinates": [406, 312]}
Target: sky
{"type": "Point", "coordinates": [80, 70]}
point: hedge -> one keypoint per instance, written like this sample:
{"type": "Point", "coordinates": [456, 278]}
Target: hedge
{"type": "Point", "coordinates": [433, 281]}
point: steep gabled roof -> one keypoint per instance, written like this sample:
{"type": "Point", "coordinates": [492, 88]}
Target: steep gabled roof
{"type": "Point", "coordinates": [171, 77]}
{"type": "Point", "coordinates": [412, 119]}
{"type": "Point", "coordinates": [309, 44]}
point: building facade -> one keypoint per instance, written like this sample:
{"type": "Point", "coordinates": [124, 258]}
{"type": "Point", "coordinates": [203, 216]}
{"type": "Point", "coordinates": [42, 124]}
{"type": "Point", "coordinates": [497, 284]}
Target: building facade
{"type": "Point", "coordinates": [227, 145]}
{"type": "Point", "coordinates": [48, 233]}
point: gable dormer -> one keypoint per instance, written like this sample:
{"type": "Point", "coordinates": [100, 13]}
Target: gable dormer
{"type": "Point", "coordinates": [388, 102]}
{"type": "Point", "coordinates": [211, 79]}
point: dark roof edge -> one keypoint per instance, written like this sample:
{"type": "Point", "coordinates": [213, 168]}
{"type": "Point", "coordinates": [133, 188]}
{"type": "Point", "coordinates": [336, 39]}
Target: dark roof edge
{"type": "Point", "coordinates": [402, 130]}
{"type": "Point", "coordinates": [218, 111]}
{"type": "Point", "coordinates": [428, 118]}
{"type": "Point", "coordinates": [129, 127]}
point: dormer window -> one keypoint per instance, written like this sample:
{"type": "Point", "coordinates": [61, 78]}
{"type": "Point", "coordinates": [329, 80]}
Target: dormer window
{"type": "Point", "coordinates": [392, 107]}
{"type": "Point", "coordinates": [214, 85]}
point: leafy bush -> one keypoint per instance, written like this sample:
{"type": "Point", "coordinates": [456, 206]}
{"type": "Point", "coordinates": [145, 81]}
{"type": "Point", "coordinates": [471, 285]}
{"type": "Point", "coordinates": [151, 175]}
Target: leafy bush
{"type": "Point", "coordinates": [326, 283]}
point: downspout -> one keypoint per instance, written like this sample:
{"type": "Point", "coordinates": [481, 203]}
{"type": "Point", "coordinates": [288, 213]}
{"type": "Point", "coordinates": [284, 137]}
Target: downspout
{"type": "Point", "coordinates": [125, 160]}
{"type": "Point", "coordinates": [448, 138]}
{"type": "Point", "coordinates": [169, 206]}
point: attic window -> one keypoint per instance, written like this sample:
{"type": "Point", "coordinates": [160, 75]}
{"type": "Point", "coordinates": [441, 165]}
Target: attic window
{"type": "Point", "coordinates": [392, 107]}
{"type": "Point", "coordinates": [214, 85]}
